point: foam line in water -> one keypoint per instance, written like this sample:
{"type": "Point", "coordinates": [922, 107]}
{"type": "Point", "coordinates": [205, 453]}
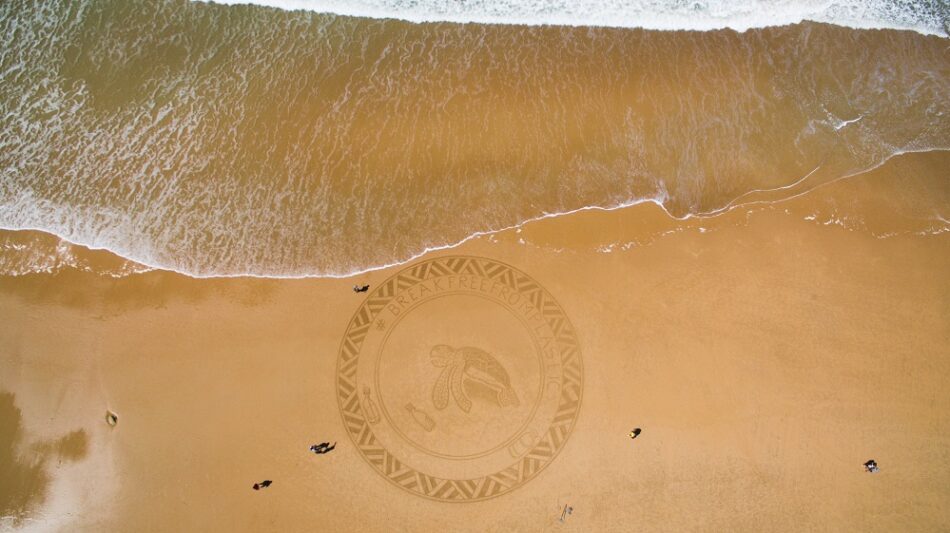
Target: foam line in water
{"type": "Point", "coordinates": [924, 16]}
{"type": "Point", "coordinates": [658, 201]}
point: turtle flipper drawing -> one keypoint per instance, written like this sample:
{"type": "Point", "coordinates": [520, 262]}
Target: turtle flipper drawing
{"type": "Point", "coordinates": [440, 392]}
{"type": "Point", "coordinates": [458, 391]}
{"type": "Point", "coordinates": [468, 364]}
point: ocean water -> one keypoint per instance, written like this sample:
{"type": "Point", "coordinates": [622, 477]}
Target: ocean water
{"type": "Point", "coordinates": [926, 16]}
{"type": "Point", "coordinates": [219, 140]}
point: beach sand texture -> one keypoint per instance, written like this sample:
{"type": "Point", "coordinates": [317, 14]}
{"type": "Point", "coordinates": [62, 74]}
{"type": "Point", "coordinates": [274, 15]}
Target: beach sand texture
{"type": "Point", "coordinates": [677, 216]}
{"type": "Point", "coordinates": [766, 353]}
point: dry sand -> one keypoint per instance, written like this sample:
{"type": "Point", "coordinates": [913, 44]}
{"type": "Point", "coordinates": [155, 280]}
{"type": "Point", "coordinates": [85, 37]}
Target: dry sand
{"type": "Point", "coordinates": [766, 357]}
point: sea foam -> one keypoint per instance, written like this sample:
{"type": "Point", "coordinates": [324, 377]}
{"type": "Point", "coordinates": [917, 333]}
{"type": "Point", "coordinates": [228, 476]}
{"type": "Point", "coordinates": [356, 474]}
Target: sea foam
{"type": "Point", "coordinates": [216, 141]}
{"type": "Point", "coordinates": [924, 16]}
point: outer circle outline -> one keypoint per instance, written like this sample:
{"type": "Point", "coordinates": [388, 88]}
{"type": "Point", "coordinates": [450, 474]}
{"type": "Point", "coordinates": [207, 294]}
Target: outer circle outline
{"type": "Point", "coordinates": [362, 310]}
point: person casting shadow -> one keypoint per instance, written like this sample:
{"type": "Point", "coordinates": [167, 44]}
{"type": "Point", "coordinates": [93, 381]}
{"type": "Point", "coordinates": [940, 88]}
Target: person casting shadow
{"type": "Point", "coordinates": [323, 447]}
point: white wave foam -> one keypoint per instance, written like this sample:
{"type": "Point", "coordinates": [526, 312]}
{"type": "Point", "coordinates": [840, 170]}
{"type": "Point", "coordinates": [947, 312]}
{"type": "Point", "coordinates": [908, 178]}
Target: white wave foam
{"type": "Point", "coordinates": [924, 16]}
{"type": "Point", "coordinates": [141, 265]}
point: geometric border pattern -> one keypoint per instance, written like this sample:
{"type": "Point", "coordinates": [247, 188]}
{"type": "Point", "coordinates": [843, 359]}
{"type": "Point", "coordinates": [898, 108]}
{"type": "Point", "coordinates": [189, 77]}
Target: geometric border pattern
{"type": "Point", "coordinates": [484, 487]}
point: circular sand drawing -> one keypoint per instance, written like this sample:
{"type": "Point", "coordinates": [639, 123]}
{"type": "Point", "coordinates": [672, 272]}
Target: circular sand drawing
{"type": "Point", "coordinates": [459, 378]}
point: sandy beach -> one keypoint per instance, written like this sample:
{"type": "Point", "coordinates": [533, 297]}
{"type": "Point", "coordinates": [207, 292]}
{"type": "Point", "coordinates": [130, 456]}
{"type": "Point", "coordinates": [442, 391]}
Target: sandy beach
{"type": "Point", "coordinates": [766, 353]}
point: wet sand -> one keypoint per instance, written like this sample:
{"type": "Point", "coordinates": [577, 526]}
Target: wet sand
{"type": "Point", "coordinates": [766, 353]}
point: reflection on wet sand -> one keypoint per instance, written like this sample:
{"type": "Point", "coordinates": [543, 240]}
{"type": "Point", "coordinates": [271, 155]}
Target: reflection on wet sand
{"type": "Point", "coordinates": [24, 465]}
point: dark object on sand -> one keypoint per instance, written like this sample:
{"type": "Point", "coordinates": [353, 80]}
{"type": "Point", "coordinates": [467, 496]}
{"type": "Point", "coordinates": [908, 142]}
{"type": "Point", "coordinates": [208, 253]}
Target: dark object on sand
{"type": "Point", "coordinates": [360, 288]}
{"type": "Point", "coordinates": [567, 510]}
{"type": "Point", "coordinates": [323, 447]}
{"type": "Point", "coordinates": [263, 484]}
{"type": "Point", "coordinates": [871, 466]}
{"type": "Point", "coordinates": [635, 433]}
{"type": "Point", "coordinates": [111, 418]}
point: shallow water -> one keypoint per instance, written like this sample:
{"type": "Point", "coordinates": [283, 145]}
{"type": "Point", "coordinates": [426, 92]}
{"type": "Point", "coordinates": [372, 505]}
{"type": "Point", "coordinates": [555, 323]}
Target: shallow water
{"type": "Point", "coordinates": [228, 140]}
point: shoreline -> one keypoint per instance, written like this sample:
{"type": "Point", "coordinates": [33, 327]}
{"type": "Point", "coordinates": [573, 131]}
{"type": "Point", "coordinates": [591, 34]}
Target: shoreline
{"type": "Point", "coordinates": [939, 154]}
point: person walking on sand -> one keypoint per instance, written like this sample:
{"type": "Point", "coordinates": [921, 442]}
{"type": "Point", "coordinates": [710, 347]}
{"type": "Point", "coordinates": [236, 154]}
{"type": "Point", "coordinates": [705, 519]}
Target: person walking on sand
{"type": "Point", "coordinates": [262, 485]}
{"type": "Point", "coordinates": [635, 433]}
{"type": "Point", "coordinates": [871, 466]}
{"type": "Point", "coordinates": [323, 447]}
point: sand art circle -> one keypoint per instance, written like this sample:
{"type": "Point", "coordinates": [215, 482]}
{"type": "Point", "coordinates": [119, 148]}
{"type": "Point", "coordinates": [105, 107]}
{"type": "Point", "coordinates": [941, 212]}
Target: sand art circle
{"type": "Point", "coordinates": [459, 378]}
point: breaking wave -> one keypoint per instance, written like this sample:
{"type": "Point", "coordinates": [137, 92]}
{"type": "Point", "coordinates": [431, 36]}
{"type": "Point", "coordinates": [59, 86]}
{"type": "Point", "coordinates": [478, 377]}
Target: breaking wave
{"type": "Point", "coordinates": [218, 141]}
{"type": "Point", "coordinates": [925, 16]}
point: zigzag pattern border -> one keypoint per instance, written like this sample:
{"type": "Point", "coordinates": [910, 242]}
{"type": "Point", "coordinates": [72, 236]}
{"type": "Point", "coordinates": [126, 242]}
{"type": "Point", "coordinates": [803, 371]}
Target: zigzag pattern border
{"type": "Point", "coordinates": [460, 490]}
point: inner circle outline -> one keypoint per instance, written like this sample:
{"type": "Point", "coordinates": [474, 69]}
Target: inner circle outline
{"type": "Point", "coordinates": [508, 440]}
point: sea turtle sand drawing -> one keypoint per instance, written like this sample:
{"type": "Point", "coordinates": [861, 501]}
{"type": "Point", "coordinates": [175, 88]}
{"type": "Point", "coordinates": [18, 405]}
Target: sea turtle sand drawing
{"type": "Point", "coordinates": [468, 365]}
